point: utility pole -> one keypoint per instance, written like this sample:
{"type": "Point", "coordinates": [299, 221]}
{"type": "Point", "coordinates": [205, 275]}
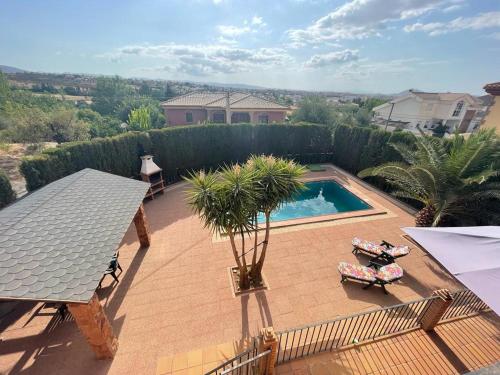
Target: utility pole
{"type": "Point", "coordinates": [389, 118]}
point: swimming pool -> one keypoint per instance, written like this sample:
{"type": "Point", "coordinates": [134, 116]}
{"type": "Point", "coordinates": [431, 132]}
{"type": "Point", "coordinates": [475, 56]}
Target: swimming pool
{"type": "Point", "coordinates": [320, 198]}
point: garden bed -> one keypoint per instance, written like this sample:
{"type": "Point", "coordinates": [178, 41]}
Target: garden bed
{"type": "Point", "coordinates": [254, 287]}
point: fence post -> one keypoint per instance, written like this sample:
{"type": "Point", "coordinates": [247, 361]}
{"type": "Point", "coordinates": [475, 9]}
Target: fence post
{"type": "Point", "coordinates": [436, 309]}
{"type": "Point", "coordinates": [269, 341]}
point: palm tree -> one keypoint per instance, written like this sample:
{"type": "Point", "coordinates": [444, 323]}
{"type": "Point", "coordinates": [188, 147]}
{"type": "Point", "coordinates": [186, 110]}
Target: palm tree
{"type": "Point", "coordinates": [230, 200]}
{"type": "Point", "coordinates": [277, 181]}
{"type": "Point", "coordinates": [225, 201]}
{"type": "Point", "coordinates": [451, 180]}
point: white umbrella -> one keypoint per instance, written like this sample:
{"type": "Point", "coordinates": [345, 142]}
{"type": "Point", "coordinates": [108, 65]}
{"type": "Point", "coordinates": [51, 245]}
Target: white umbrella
{"type": "Point", "coordinates": [471, 254]}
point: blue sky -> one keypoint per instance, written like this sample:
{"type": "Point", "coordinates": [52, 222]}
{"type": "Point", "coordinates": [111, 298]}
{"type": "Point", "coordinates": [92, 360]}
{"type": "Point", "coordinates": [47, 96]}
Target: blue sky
{"type": "Point", "coordinates": [383, 46]}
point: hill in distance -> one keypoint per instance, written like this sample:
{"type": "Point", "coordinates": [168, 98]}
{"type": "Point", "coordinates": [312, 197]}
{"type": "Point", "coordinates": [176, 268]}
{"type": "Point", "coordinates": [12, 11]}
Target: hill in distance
{"type": "Point", "coordinates": [10, 69]}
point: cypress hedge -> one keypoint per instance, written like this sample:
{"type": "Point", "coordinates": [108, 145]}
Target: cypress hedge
{"type": "Point", "coordinates": [178, 149]}
{"type": "Point", "coordinates": [356, 148]}
{"type": "Point", "coordinates": [119, 155]}
{"type": "Point", "coordinates": [7, 194]}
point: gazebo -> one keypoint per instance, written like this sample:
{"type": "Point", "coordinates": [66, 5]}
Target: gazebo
{"type": "Point", "coordinates": [57, 242]}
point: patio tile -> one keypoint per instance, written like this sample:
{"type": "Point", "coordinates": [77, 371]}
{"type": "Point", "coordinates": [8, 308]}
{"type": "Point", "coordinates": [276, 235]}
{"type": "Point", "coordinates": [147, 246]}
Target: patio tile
{"type": "Point", "coordinates": [175, 297]}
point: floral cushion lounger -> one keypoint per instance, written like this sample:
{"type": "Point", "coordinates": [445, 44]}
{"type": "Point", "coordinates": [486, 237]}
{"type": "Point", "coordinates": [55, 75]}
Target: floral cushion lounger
{"type": "Point", "coordinates": [385, 275]}
{"type": "Point", "coordinates": [384, 250]}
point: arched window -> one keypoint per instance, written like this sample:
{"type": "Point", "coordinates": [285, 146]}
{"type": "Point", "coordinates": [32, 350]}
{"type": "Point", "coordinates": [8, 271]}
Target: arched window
{"type": "Point", "coordinates": [458, 109]}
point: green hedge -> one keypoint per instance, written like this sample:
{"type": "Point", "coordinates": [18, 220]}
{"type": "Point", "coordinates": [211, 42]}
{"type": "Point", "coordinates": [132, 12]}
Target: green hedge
{"type": "Point", "coordinates": [356, 148]}
{"type": "Point", "coordinates": [119, 155]}
{"type": "Point", "coordinates": [178, 149]}
{"type": "Point", "coordinates": [7, 194]}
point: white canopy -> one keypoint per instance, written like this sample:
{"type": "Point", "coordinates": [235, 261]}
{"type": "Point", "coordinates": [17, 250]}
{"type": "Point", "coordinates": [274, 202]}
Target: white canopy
{"type": "Point", "coordinates": [471, 254]}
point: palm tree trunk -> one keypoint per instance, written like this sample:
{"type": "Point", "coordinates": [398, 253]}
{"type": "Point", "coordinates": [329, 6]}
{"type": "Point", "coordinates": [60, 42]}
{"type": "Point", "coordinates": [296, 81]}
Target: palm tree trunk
{"type": "Point", "coordinates": [425, 217]}
{"type": "Point", "coordinates": [233, 247]}
{"type": "Point", "coordinates": [244, 279]}
{"type": "Point", "coordinates": [255, 243]}
{"type": "Point", "coordinates": [260, 264]}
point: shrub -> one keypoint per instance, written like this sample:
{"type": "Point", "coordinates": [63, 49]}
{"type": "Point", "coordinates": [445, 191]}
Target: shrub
{"type": "Point", "coordinates": [7, 194]}
{"type": "Point", "coordinates": [119, 155]}
{"type": "Point", "coordinates": [178, 149]}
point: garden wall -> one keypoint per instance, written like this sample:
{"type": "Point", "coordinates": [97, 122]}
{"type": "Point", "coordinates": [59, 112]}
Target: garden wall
{"type": "Point", "coordinates": [180, 149]}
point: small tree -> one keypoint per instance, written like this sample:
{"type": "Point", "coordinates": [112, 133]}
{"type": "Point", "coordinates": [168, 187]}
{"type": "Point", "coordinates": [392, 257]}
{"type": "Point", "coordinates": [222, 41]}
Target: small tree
{"type": "Point", "coordinates": [277, 180]}
{"type": "Point", "coordinates": [140, 118]}
{"type": "Point", "coordinates": [7, 194]}
{"type": "Point", "coordinates": [230, 200]}
{"type": "Point", "coordinates": [313, 109]}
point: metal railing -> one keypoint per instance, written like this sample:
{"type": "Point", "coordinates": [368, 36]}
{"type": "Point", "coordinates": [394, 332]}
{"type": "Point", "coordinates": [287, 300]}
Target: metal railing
{"type": "Point", "coordinates": [333, 334]}
{"type": "Point", "coordinates": [464, 303]}
{"type": "Point", "coordinates": [328, 335]}
{"type": "Point", "coordinates": [251, 366]}
{"type": "Point", "coordinates": [236, 361]}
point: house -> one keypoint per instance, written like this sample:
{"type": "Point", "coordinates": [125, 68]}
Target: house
{"type": "Point", "coordinates": [426, 110]}
{"type": "Point", "coordinates": [492, 117]}
{"type": "Point", "coordinates": [222, 107]}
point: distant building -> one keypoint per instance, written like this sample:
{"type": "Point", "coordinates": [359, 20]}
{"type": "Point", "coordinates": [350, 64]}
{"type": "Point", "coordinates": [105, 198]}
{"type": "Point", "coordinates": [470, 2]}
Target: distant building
{"type": "Point", "coordinates": [426, 110]}
{"type": "Point", "coordinates": [492, 117]}
{"type": "Point", "coordinates": [222, 107]}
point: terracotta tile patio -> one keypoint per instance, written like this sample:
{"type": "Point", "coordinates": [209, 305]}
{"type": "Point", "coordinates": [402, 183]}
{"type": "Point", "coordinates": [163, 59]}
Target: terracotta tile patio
{"type": "Point", "coordinates": [175, 297]}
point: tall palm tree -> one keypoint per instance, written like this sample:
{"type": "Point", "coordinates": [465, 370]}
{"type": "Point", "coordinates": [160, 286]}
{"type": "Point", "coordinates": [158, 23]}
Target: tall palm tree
{"type": "Point", "coordinates": [225, 201]}
{"type": "Point", "coordinates": [230, 200]}
{"type": "Point", "coordinates": [277, 181]}
{"type": "Point", "coordinates": [452, 181]}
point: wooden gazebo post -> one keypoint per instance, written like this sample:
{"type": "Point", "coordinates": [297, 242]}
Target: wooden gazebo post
{"type": "Point", "coordinates": [94, 325]}
{"type": "Point", "coordinates": [142, 227]}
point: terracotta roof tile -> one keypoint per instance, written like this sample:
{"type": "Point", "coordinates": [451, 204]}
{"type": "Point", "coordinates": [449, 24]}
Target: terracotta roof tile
{"type": "Point", "coordinates": [238, 100]}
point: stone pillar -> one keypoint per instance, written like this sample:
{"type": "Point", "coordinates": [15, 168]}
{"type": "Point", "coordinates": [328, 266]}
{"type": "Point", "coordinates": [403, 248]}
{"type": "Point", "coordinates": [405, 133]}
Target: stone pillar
{"type": "Point", "coordinates": [436, 309]}
{"type": "Point", "coordinates": [269, 341]}
{"type": "Point", "coordinates": [95, 326]}
{"type": "Point", "coordinates": [142, 227]}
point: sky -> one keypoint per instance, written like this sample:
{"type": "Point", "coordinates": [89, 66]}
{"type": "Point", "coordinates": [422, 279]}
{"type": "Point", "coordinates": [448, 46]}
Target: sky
{"type": "Point", "coordinates": [363, 46]}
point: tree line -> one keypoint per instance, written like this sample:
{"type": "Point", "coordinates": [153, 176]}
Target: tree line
{"type": "Point", "coordinates": [38, 115]}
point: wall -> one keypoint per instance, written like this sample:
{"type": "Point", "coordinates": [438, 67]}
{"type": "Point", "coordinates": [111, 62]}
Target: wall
{"type": "Point", "coordinates": [274, 116]}
{"type": "Point", "coordinates": [407, 110]}
{"type": "Point", "coordinates": [178, 116]}
{"type": "Point", "coordinates": [492, 119]}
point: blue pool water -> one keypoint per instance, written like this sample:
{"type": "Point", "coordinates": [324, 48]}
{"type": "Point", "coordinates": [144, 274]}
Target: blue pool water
{"type": "Point", "coordinates": [319, 198]}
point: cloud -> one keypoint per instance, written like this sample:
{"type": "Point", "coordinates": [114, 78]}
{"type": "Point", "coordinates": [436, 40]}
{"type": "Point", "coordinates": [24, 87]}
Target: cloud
{"type": "Point", "coordinates": [233, 31]}
{"type": "Point", "coordinates": [481, 21]}
{"type": "Point", "coordinates": [253, 25]}
{"type": "Point", "coordinates": [358, 19]}
{"type": "Point", "coordinates": [364, 70]}
{"type": "Point", "coordinates": [204, 60]}
{"type": "Point", "coordinates": [257, 21]}
{"type": "Point", "coordinates": [332, 58]}
{"type": "Point", "coordinates": [453, 8]}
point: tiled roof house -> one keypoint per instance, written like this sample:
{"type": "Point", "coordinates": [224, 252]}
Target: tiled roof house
{"type": "Point", "coordinates": [201, 107]}
{"type": "Point", "coordinates": [492, 118]}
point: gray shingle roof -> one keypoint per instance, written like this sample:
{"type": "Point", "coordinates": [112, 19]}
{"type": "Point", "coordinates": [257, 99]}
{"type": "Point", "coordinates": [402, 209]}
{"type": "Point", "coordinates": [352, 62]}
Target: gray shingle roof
{"type": "Point", "coordinates": [56, 243]}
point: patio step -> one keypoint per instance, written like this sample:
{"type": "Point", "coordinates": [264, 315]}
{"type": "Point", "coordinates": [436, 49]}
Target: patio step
{"type": "Point", "coordinates": [200, 361]}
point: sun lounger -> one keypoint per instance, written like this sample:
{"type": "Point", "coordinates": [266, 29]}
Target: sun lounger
{"type": "Point", "coordinates": [385, 250]}
{"type": "Point", "coordinates": [384, 275]}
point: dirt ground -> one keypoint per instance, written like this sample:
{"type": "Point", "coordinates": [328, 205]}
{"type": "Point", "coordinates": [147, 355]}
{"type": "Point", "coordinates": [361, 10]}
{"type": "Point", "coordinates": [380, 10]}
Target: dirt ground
{"type": "Point", "coordinates": [10, 160]}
